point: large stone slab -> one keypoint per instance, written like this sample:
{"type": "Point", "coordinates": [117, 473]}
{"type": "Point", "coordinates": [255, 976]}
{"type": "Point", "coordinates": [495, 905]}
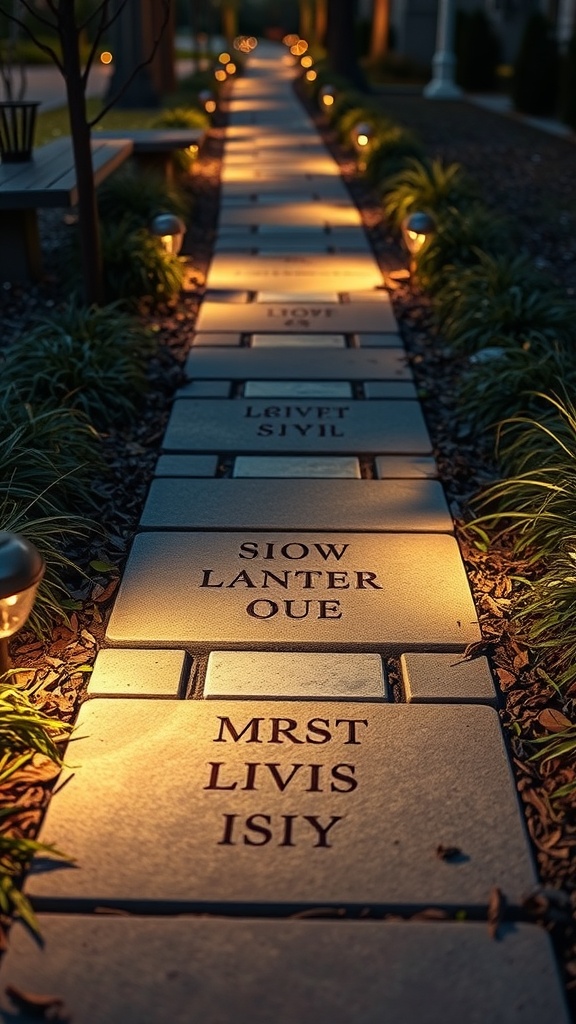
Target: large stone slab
{"type": "Point", "coordinates": [186, 465]}
{"type": "Point", "coordinates": [298, 341]}
{"type": "Point", "coordinates": [394, 467]}
{"type": "Point", "coordinates": [262, 426]}
{"type": "Point", "coordinates": [221, 340]}
{"type": "Point", "coordinates": [335, 213]}
{"type": "Point", "coordinates": [296, 466]}
{"type": "Point", "coordinates": [392, 506]}
{"type": "Point", "coordinates": [153, 969]}
{"type": "Point", "coordinates": [273, 676]}
{"type": "Point", "coordinates": [307, 591]}
{"type": "Point", "coordinates": [269, 363]}
{"type": "Point", "coordinates": [240, 804]}
{"type": "Point", "coordinates": [298, 317]}
{"type": "Point", "coordinates": [301, 273]}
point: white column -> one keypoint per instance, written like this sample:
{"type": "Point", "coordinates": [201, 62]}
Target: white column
{"type": "Point", "coordinates": [443, 86]}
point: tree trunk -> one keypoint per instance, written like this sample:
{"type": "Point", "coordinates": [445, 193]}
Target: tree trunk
{"type": "Point", "coordinates": [306, 24]}
{"type": "Point", "coordinates": [321, 21]}
{"type": "Point", "coordinates": [380, 30]}
{"type": "Point", "coordinates": [340, 40]}
{"type": "Point", "coordinates": [229, 21]}
{"type": "Point", "coordinates": [89, 229]}
{"type": "Point", "coordinates": [130, 35]}
{"type": "Point", "coordinates": [163, 64]}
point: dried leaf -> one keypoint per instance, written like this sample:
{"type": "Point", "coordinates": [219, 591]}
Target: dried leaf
{"type": "Point", "coordinates": [496, 908]}
{"type": "Point", "coordinates": [553, 721]}
{"type": "Point", "coordinates": [44, 1007]}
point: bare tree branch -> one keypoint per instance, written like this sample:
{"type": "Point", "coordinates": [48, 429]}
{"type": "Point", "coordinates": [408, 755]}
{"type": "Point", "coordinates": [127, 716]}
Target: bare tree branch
{"type": "Point", "coordinates": [112, 19]}
{"type": "Point", "coordinates": [41, 46]}
{"type": "Point", "coordinates": [143, 64]}
{"type": "Point", "coordinates": [97, 38]}
{"type": "Point", "coordinates": [16, 20]}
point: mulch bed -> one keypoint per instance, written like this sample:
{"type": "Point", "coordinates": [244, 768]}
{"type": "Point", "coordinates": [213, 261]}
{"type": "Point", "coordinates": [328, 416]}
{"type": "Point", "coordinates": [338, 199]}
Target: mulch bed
{"type": "Point", "coordinates": [521, 172]}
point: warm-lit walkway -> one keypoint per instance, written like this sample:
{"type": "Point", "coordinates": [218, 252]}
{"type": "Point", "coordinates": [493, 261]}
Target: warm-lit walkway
{"type": "Point", "coordinates": [242, 758]}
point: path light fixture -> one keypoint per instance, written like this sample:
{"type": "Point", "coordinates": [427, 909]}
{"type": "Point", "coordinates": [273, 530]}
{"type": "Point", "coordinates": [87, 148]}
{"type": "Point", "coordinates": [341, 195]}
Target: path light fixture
{"type": "Point", "coordinates": [21, 569]}
{"type": "Point", "coordinates": [311, 75]}
{"type": "Point", "coordinates": [417, 229]}
{"type": "Point", "coordinates": [220, 75]}
{"type": "Point", "coordinates": [327, 96]}
{"type": "Point", "coordinates": [306, 61]}
{"type": "Point", "coordinates": [170, 229]}
{"type": "Point", "coordinates": [231, 68]}
{"type": "Point", "coordinates": [362, 135]}
{"type": "Point", "coordinates": [206, 98]}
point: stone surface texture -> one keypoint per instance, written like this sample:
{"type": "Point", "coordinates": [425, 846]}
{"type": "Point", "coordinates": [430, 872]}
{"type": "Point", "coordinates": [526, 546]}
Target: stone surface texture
{"type": "Point", "coordinates": [298, 315]}
{"type": "Point", "coordinates": [445, 678]}
{"type": "Point", "coordinates": [129, 673]}
{"type": "Point", "coordinates": [309, 364]}
{"type": "Point", "coordinates": [313, 972]}
{"type": "Point", "coordinates": [296, 466]}
{"type": "Point", "coordinates": [258, 675]}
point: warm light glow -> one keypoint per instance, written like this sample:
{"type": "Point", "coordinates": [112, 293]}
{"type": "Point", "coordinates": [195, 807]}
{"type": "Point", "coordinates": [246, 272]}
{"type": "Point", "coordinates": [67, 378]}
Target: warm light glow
{"type": "Point", "coordinates": [290, 39]}
{"type": "Point", "coordinates": [210, 106]}
{"type": "Point", "coordinates": [106, 57]}
{"type": "Point", "coordinates": [252, 42]}
{"type": "Point", "coordinates": [306, 62]}
{"type": "Point", "coordinates": [311, 76]}
{"type": "Point", "coordinates": [416, 240]}
{"type": "Point", "coordinates": [328, 100]}
{"type": "Point", "coordinates": [299, 48]}
{"type": "Point", "coordinates": [220, 75]}
{"type": "Point", "coordinates": [362, 140]}
{"type": "Point", "coordinates": [14, 610]}
{"type": "Point", "coordinates": [169, 230]}
{"type": "Point", "coordinates": [231, 68]}
{"type": "Point", "coordinates": [224, 57]}
{"type": "Point", "coordinates": [192, 150]}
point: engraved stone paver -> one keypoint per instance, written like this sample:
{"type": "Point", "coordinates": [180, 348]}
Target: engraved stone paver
{"type": "Point", "coordinates": [435, 678]}
{"type": "Point", "coordinates": [299, 316]}
{"type": "Point", "coordinates": [313, 972]}
{"type": "Point", "coordinates": [394, 506]}
{"type": "Point", "coordinates": [296, 466]}
{"type": "Point", "coordinates": [391, 467]}
{"type": "Point", "coordinates": [249, 802]}
{"type": "Point", "coordinates": [298, 341]}
{"type": "Point", "coordinates": [297, 389]}
{"type": "Point", "coordinates": [119, 673]}
{"type": "Point", "coordinates": [331, 213]}
{"type": "Point", "coordinates": [296, 297]}
{"type": "Point", "coordinates": [186, 465]}
{"type": "Point", "coordinates": [398, 592]}
{"type": "Point", "coordinates": [263, 426]}
{"type": "Point", "coordinates": [301, 273]}
{"type": "Point", "coordinates": [311, 364]}
{"type": "Point", "coordinates": [262, 676]}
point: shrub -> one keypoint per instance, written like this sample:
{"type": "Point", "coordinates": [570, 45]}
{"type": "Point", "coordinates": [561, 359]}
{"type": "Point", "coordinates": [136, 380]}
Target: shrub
{"type": "Point", "coordinates": [391, 153]}
{"type": "Point", "coordinates": [458, 242]}
{"type": "Point", "coordinates": [535, 80]}
{"type": "Point", "coordinates": [183, 117]}
{"type": "Point", "coordinates": [93, 360]}
{"type": "Point", "coordinates": [430, 186]}
{"type": "Point", "coordinates": [136, 265]}
{"type": "Point", "coordinates": [477, 51]}
{"type": "Point", "coordinates": [129, 195]}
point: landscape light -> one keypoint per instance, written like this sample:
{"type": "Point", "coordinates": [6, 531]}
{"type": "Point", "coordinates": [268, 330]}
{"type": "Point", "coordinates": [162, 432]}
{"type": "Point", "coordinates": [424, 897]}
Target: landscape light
{"type": "Point", "coordinates": [106, 57]}
{"type": "Point", "coordinates": [290, 39]}
{"type": "Point", "coordinates": [224, 58]}
{"type": "Point", "coordinates": [170, 229]}
{"type": "Point", "coordinates": [206, 98]}
{"type": "Point", "coordinates": [327, 95]}
{"type": "Point", "coordinates": [362, 135]}
{"type": "Point", "coordinates": [231, 68]}
{"type": "Point", "coordinates": [21, 569]}
{"type": "Point", "coordinates": [220, 75]}
{"type": "Point", "coordinates": [417, 228]}
{"type": "Point", "coordinates": [306, 62]}
{"type": "Point", "coordinates": [311, 76]}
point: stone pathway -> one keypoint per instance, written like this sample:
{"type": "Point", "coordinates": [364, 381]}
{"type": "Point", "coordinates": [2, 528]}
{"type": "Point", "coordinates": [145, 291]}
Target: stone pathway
{"type": "Point", "coordinates": [241, 759]}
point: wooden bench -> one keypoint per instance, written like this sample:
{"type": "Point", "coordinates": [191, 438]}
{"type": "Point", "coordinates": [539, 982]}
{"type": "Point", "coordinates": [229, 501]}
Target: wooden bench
{"type": "Point", "coordinates": [48, 180]}
{"type": "Point", "coordinates": [153, 147]}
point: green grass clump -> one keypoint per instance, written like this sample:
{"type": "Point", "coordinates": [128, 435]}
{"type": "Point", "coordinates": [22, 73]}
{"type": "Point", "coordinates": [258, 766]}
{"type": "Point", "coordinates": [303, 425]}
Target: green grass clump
{"type": "Point", "coordinates": [129, 195]}
{"type": "Point", "coordinates": [137, 266]}
{"type": "Point", "coordinates": [428, 186]}
{"type": "Point", "coordinates": [91, 360]}
{"type": "Point", "coordinates": [392, 150]}
{"type": "Point", "coordinates": [460, 239]}
{"type": "Point", "coordinates": [183, 117]}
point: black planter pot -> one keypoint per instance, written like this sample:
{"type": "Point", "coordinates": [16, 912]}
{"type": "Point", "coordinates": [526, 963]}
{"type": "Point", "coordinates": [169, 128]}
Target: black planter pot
{"type": "Point", "coordinates": [17, 123]}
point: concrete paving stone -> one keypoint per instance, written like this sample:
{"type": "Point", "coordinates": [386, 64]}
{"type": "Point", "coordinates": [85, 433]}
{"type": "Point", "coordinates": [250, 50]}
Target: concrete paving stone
{"type": "Point", "coordinates": [272, 676]}
{"type": "Point", "coordinates": [111, 968]}
{"type": "Point", "coordinates": [375, 390]}
{"type": "Point", "coordinates": [129, 673]}
{"type": "Point", "coordinates": [390, 592]}
{"type": "Point", "coordinates": [370, 295]}
{"type": "Point", "coordinates": [238, 248]}
{"type": "Point", "coordinates": [259, 427]}
{"type": "Point", "coordinates": [289, 229]}
{"type": "Point", "coordinates": [272, 363]}
{"type": "Point", "coordinates": [297, 389]}
{"type": "Point", "coordinates": [226, 295]}
{"type": "Point", "coordinates": [298, 341]}
{"type": "Point", "coordinates": [208, 388]}
{"type": "Point", "coordinates": [301, 316]}
{"type": "Point", "coordinates": [296, 466]}
{"type": "Point", "coordinates": [392, 506]}
{"type": "Point", "coordinates": [305, 273]}
{"type": "Point", "coordinates": [373, 340]}
{"type": "Point", "coordinates": [223, 340]}
{"type": "Point", "coordinates": [445, 678]}
{"type": "Point", "coordinates": [248, 803]}
{"type": "Point", "coordinates": [330, 214]}
{"type": "Point", "coordinates": [186, 465]}
{"type": "Point", "coordinates": [277, 247]}
{"type": "Point", "coordinates": [291, 297]}
{"type": "Point", "coordinates": [395, 467]}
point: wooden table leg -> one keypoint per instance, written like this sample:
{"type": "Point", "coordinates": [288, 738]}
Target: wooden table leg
{"type": "Point", "coordinates": [20, 254]}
